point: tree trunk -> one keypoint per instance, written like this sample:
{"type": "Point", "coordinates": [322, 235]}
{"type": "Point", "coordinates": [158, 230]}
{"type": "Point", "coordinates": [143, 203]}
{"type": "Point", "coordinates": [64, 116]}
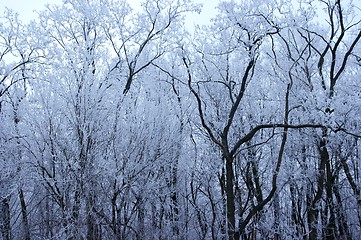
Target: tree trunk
{"type": "Point", "coordinates": [174, 198]}
{"type": "Point", "coordinates": [312, 215]}
{"type": "Point", "coordinates": [74, 220]}
{"type": "Point", "coordinates": [343, 227]}
{"type": "Point", "coordinates": [231, 220]}
{"type": "Point", "coordinates": [222, 183]}
{"type": "Point", "coordinates": [24, 214]}
{"type": "Point", "coordinates": [5, 213]}
{"type": "Point", "coordinates": [277, 215]}
{"type": "Point", "coordinates": [91, 224]}
{"type": "Point", "coordinates": [141, 217]}
{"type": "Point", "coordinates": [331, 224]}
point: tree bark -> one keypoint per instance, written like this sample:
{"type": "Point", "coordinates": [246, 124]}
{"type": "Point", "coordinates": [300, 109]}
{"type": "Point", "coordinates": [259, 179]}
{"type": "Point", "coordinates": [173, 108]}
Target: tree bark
{"type": "Point", "coordinates": [312, 214]}
{"type": "Point", "coordinates": [24, 214]}
{"type": "Point", "coordinates": [231, 220]}
{"type": "Point", "coordinates": [6, 226]}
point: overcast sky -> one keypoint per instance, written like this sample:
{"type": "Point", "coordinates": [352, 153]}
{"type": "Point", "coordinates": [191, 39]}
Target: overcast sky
{"type": "Point", "coordinates": [27, 9]}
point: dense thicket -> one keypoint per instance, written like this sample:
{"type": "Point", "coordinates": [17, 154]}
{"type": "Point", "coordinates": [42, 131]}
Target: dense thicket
{"type": "Point", "coordinates": [120, 124]}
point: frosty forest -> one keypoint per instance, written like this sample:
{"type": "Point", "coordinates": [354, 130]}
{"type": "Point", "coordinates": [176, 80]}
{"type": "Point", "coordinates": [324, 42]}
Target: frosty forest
{"type": "Point", "coordinates": [123, 124]}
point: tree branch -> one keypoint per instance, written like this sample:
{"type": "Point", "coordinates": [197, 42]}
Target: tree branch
{"type": "Point", "coordinates": [200, 109]}
{"type": "Point", "coordinates": [251, 133]}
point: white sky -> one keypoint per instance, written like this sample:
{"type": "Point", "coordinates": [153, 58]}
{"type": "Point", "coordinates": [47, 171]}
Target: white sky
{"type": "Point", "coordinates": [27, 9]}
